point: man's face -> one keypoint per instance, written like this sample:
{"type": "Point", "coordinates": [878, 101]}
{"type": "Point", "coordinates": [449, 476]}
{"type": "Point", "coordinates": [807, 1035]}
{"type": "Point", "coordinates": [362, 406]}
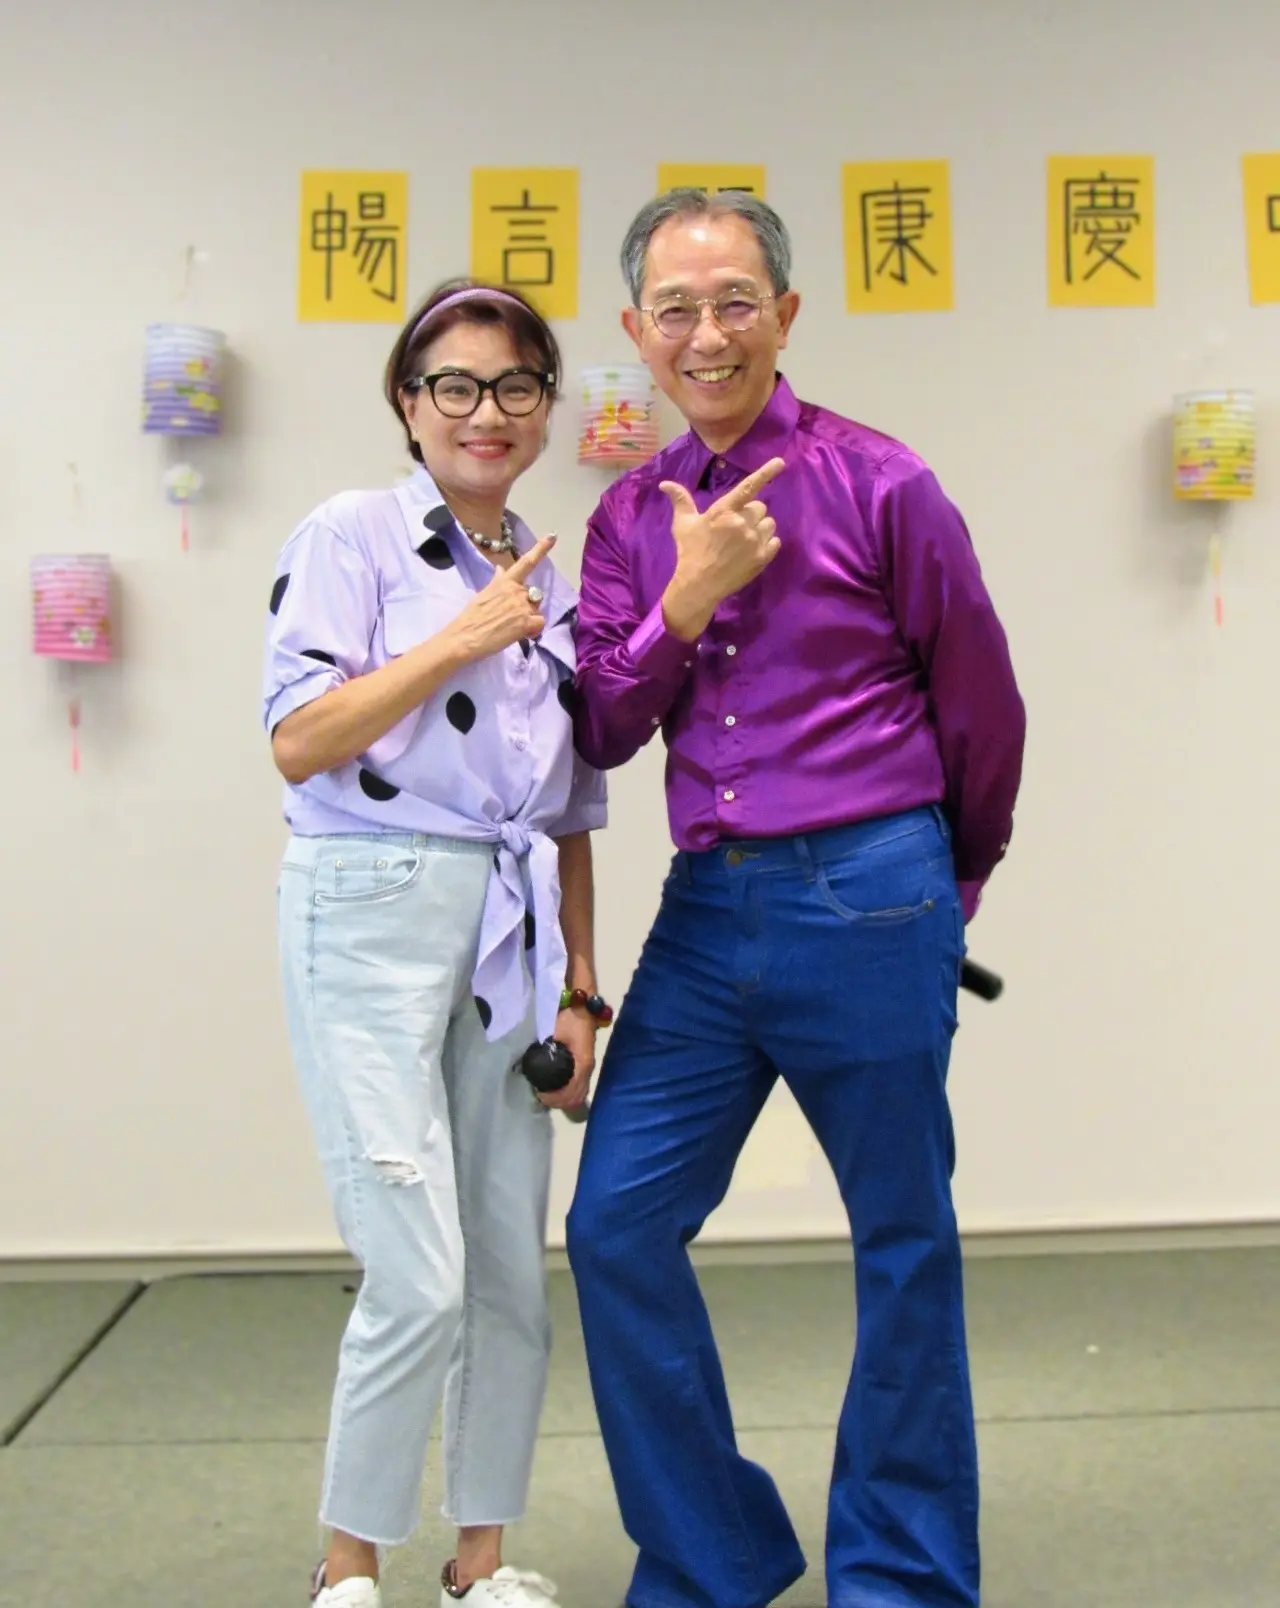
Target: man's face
{"type": "Point", "coordinates": [719, 377]}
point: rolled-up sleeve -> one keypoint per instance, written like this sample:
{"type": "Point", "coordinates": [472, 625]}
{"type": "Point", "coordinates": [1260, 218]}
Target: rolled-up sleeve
{"type": "Point", "coordinates": [323, 610]}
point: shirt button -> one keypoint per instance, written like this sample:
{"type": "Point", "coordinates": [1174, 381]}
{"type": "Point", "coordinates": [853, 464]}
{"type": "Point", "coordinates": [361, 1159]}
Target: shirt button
{"type": "Point", "coordinates": [656, 721]}
{"type": "Point", "coordinates": [731, 650]}
{"type": "Point", "coordinates": [720, 463]}
{"type": "Point", "coordinates": [731, 720]}
{"type": "Point", "coordinates": [729, 795]}
{"type": "Point", "coordinates": [521, 744]}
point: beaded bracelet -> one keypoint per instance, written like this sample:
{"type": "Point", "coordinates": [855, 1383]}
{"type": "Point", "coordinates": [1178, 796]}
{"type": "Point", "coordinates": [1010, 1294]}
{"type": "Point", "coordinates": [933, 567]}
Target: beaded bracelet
{"type": "Point", "coordinates": [593, 1004]}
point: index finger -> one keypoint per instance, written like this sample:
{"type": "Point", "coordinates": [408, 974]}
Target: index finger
{"type": "Point", "coordinates": [745, 491]}
{"type": "Point", "coordinates": [528, 562]}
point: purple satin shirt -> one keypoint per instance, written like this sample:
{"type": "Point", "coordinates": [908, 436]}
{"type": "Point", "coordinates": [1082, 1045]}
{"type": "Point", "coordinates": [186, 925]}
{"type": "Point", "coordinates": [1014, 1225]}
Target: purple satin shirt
{"type": "Point", "coordinates": [862, 674]}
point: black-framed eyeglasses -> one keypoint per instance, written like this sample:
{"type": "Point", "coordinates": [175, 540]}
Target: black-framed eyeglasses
{"type": "Point", "coordinates": [517, 391]}
{"type": "Point", "coordinates": [678, 316]}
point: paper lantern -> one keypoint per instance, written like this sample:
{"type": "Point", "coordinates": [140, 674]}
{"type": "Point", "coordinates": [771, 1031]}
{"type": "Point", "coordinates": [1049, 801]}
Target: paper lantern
{"type": "Point", "coordinates": [181, 386]}
{"type": "Point", "coordinates": [1214, 446]}
{"type": "Point", "coordinates": [1214, 459]}
{"type": "Point", "coordinates": [181, 397]}
{"type": "Point", "coordinates": [71, 617]}
{"type": "Point", "coordinates": [71, 607]}
{"type": "Point", "coordinates": [619, 415]}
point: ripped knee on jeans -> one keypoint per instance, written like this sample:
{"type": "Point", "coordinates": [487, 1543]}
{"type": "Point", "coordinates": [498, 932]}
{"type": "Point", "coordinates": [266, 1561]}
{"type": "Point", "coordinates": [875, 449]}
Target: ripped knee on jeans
{"type": "Point", "coordinates": [396, 1171]}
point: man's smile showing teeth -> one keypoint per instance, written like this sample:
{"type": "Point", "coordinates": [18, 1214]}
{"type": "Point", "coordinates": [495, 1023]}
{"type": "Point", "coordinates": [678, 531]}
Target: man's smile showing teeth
{"type": "Point", "coordinates": [711, 376]}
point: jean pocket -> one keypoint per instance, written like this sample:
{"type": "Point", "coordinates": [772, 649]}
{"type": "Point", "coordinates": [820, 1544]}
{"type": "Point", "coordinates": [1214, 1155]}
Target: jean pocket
{"type": "Point", "coordinates": [366, 872]}
{"type": "Point", "coordinates": [873, 898]}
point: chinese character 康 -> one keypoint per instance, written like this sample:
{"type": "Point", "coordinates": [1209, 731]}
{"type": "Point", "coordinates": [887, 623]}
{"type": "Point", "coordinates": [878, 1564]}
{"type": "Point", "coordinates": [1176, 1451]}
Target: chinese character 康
{"type": "Point", "coordinates": [898, 220]}
{"type": "Point", "coordinates": [527, 258]}
{"type": "Point", "coordinates": [1106, 212]}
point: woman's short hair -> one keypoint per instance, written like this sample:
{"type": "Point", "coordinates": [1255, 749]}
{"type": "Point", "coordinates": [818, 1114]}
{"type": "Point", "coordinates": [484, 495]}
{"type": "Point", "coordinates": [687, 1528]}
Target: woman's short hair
{"type": "Point", "coordinates": [444, 309]}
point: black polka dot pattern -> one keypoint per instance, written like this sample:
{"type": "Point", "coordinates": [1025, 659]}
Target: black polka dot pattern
{"type": "Point", "coordinates": [485, 1012]}
{"type": "Point", "coordinates": [320, 655]}
{"type": "Point", "coordinates": [568, 696]}
{"type": "Point", "coordinates": [460, 712]}
{"type": "Point", "coordinates": [435, 551]}
{"type": "Point", "coordinates": [277, 593]}
{"type": "Point", "coordinates": [530, 930]}
{"type": "Point", "coordinates": [375, 788]}
{"type": "Point", "coordinates": [438, 520]}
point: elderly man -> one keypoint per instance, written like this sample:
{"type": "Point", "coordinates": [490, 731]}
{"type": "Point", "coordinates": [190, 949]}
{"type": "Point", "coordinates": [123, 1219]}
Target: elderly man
{"type": "Point", "coordinates": [793, 600]}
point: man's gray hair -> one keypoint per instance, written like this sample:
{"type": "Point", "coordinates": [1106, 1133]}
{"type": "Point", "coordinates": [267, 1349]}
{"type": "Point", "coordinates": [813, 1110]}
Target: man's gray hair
{"type": "Point", "coordinates": [769, 228]}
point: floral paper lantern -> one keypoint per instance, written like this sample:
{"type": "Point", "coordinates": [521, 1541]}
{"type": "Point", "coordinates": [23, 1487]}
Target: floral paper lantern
{"type": "Point", "coordinates": [1214, 446]}
{"type": "Point", "coordinates": [182, 398]}
{"type": "Point", "coordinates": [619, 424]}
{"type": "Point", "coordinates": [71, 617]}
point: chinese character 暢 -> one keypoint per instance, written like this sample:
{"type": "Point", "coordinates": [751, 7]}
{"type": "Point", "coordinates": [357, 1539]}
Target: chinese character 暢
{"type": "Point", "coordinates": [527, 256]}
{"type": "Point", "coordinates": [373, 243]}
{"type": "Point", "coordinates": [1104, 212]}
{"type": "Point", "coordinates": [897, 220]}
{"type": "Point", "coordinates": [353, 238]}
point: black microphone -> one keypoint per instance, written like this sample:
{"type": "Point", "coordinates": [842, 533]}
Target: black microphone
{"type": "Point", "coordinates": [978, 980]}
{"type": "Point", "coordinates": [548, 1066]}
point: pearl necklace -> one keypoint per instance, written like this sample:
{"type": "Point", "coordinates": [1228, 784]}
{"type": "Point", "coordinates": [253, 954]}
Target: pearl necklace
{"type": "Point", "coordinates": [506, 543]}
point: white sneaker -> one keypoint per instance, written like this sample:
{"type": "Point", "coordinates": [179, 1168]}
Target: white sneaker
{"type": "Point", "coordinates": [508, 1588]}
{"type": "Point", "coordinates": [358, 1592]}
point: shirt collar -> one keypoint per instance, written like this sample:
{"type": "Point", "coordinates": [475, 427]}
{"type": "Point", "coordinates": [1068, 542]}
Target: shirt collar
{"type": "Point", "coordinates": [424, 494]}
{"type": "Point", "coordinates": [767, 438]}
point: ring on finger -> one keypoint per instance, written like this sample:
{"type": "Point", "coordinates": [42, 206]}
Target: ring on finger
{"type": "Point", "coordinates": [535, 594]}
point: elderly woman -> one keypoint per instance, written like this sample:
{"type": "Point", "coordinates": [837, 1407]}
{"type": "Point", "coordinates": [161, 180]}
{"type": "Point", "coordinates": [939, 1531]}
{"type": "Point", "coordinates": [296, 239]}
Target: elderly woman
{"type": "Point", "coordinates": [435, 914]}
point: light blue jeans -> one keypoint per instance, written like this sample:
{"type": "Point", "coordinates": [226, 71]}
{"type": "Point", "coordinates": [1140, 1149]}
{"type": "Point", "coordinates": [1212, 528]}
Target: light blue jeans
{"type": "Point", "coordinates": [437, 1158]}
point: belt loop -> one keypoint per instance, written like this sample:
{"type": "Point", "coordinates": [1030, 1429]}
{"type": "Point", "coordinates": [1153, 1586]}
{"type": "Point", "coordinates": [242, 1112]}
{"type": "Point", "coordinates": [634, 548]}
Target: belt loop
{"type": "Point", "coordinates": [944, 825]}
{"type": "Point", "coordinates": [682, 868]}
{"type": "Point", "coordinates": [804, 856]}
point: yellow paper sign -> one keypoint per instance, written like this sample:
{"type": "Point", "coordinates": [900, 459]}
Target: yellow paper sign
{"type": "Point", "coordinates": [897, 237]}
{"type": "Point", "coordinates": [1101, 231]}
{"type": "Point", "coordinates": [524, 234]}
{"type": "Point", "coordinates": [351, 263]}
{"type": "Point", "coordinates": [711, 177]}
{"type": "Point", "coordinates": [1262, 225]}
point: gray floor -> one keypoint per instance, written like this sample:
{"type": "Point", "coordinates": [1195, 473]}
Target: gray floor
{"type": "Point", "coordinates": [162, 1445]}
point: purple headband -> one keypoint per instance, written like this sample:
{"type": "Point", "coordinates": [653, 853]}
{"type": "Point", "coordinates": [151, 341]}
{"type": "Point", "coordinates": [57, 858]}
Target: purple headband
{"type": "Point", "coordinates": [470, 293]}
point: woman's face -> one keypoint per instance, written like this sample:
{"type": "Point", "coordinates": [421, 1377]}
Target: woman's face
{"type": "Point", "coordinates": [478, 455]}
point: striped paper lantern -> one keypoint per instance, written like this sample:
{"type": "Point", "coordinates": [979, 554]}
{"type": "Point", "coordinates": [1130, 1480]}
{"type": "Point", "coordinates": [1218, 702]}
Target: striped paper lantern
{"type": "Point", "coordinates": [181, 388]}
{"type": "Point", "coordinates": [71, 607]}
{"type": "Point", "coordinates": [619, 424]}
{"type": "Point", "coordinates": [1214, 446]}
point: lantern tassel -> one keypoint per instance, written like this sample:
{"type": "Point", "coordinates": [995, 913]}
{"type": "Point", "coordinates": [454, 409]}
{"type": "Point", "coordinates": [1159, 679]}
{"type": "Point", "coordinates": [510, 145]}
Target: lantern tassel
{"type": "Point", "coordinates": [73, 711]}
{"type": "Point", "coordinates": [1215, 565]}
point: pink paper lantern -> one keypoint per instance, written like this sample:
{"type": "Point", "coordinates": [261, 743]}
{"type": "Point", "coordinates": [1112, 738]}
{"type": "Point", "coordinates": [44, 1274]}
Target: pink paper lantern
{"type": "Point", "coordinates": [618, 424]}
{"type": "Point", "coordinates": [71, 607]}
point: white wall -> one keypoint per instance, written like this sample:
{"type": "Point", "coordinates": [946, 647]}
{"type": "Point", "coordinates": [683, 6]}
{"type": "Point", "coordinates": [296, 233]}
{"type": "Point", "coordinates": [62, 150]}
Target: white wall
{"type": "Point", "coordinates": [1129, 1076]}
